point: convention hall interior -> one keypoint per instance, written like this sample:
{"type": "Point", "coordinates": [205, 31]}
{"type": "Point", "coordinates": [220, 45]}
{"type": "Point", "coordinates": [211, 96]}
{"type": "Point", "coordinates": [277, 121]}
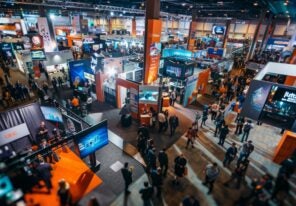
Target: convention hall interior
{"type": "Point", "coordinates": [147, 102]}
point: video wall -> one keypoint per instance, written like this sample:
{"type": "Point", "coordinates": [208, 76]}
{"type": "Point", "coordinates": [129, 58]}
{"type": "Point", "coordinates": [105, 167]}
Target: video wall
{"type": "Point", "coordinates": [148, 94]}
{"type": "Point", "coordinates": [178, 70]}
{"type": "Point", "coordinates": [272, 104]}
{"type": "Point", "coordinates": [81, 72]}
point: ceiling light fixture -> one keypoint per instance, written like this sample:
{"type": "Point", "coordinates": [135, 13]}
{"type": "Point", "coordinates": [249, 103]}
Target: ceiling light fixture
{"type": "Point", "coordinates": [285, 3]}
{"type": "Point", "coordinates": [287, 11]}
{"type": "Point", "coordinates": [255, 3]}
{"type": "Point", "coordinates": [183, 4]}
{"type": "Point", "coordinates": [112, 13]}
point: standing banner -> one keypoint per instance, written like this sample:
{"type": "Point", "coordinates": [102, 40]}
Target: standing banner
{"type": "Point", "coordinates": [191, 36]}
{"type": "Point", "coordinates": [45, 33]}
{"type": "Point", "coordinates": [153, 50]}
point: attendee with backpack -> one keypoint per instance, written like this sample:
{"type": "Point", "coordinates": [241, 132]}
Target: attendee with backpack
{"type": "Point", "coordinates": [174, 123]}
{"type": "Point", "coordinates": [246, 131]}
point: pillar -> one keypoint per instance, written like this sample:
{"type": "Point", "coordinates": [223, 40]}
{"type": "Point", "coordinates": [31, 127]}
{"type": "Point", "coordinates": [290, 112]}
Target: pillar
{"type": "Point", "coordinates": [293, 57]}
{"type": "Point", "coordinates": [256, 36]}
{"type": "Point", "coordinates": [268, 32]}
{"type": "Point", "coordinates": [228, 22]}
{"type": "Point", "coordinates": [109, 26]}
{"type": "Point", "coordinates": [191, 35]}
{"type": "Point", "coordinates": [134, 27]}
{"type": "Point", "coordinates": [152, 41]}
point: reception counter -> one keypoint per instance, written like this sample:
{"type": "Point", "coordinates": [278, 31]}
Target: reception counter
{"type": "Point", "coordinates": [145, 119]}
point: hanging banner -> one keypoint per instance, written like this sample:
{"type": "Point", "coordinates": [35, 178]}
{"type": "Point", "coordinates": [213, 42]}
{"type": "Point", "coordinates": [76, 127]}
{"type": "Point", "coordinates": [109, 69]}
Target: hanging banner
{"type": "Point", "coordinates": [153, 49]}
{"type": "Point", "coordinates": [76, 23]}
{"type": "Point", "coordinates": [44, 32]}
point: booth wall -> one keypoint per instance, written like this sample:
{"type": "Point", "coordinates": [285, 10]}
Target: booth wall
{"type": "Point", "coordinates": [60, 57]}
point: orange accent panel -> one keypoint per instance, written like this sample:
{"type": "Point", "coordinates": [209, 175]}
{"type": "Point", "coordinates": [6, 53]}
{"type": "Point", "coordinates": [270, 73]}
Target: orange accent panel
{"type": "Point", "coordinates": [152, 62]}
{"type": "Point", "coordinates": [290, 80]}
{"type": "Point", "coordinates": [7, 27]}
{"type": "Point", "coordinates": [70, 167]}
{"type": "Point", "coordinates": [126, 84]}
{"type": "Point", "coordinates": [71, 38]}
{"type": "Point", "coordinates": [100, 78]}
{"type": "Point", "coordinates": [202, 80]}
{"type": "Point", "coordinates": [293, 57]}
{"type": "Point", "coordinates": [191, 36]}
{"type": "Point", "coordinates": [134, 27]}
{"type": "Point", "coordinates": [285, 147]}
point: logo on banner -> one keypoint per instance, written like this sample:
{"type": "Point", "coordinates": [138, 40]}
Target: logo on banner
{"type": "Point", "coordinates": [44, 32]}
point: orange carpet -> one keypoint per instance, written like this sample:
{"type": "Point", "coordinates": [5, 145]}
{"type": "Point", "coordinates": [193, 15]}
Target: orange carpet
{"type": "Point", "coordinates": [70, 167]}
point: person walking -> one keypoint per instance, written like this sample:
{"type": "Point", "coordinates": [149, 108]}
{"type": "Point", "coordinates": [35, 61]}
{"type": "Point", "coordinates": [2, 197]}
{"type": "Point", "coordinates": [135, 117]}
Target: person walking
{"type": "Point", "coordinates": [238, 174]}
{"type": "Point", "coordinates": [151, 159]}
{"type": "Point", "coordinates": [44, 172]}
{"type": "Point", "coordinates": [161, 121]}
{"type": "Point", "coordinates": [146, 194]}
{"type": "Point", "coordinates": [211, 174]}
{"type": "Point", "coordinates": [190, 138]}
{"type": "Point", "coordinates": [163, 161]}
{"type": "Point", "coordinates": [223, 135]}
{"type": "Point", "coordinates": [239, 125]}
{"type": "Point", "coordinates": [180, 168]}
{"type": "Point", "coordinates": [54, 83]}
{"type": "Point", "coordinates": [157, 180]}
{"type": "Point", "coordinates": [204, 118]}
{"type": "Point", "coordinates": [247, 128]}
{"type": "Point", "coordinates": [166, 125]}
{"type": "Point", "coordinates": [173, 97]}
{"type": "Point", "coordinates": [214, 111]}
{"type": "Point", "coordinates": [174, 123]}
{"type": "Point", "coordinates": [246, 149]}
{"type": "Point", "coordinates": [230, 155]}
{"type": "Point", "coordinates": [219, 123]}
{"type": "Point", "coordinates": [64, 193]}
{"type": "Point", "coordinates": [127, 176]}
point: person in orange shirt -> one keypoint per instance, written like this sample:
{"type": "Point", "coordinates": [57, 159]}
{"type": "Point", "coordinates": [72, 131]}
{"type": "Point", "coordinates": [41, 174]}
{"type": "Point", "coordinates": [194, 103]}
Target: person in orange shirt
{"type": "Point", "coordinates": [75, 102]}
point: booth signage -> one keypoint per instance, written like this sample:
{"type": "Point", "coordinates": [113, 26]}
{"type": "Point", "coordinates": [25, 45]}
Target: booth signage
{"type": "Point", "coordinates": [278, 42]}
{"type": "Point", "coordinates": [152, 52]}
{"type": "Point", "coordinates": [44, 32]}
{"type": "Point", "coordinates": [134, 98]}
{"type": "Point", "coordinates": [13, 134]}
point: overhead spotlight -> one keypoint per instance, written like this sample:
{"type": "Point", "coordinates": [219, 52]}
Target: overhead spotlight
{"type": "Point", "coordinates": [267, 11]}
{"type": "Point", "coordinates": [124, 12]}
{"type": "Point", "coordinates": [112, 13]}
{"type": "Point", "coordinates": [52, 16]}
{"type": "Point", "coordinates": [285, 3]}
{"type": "Point", "coordinates": [255, 3]}
{"type": "Point", "coordinates": [191, 6]}
{"type": "Point", "coordinates": [108, 2]}
{"type": "Point", "coordinates": [183, 4]}
{"type": "Point", "coordinates": [120, 14]}
{"type": "Point", "coordinates": [142, 4]}
{"type": "Point", "coordinates": [287, 11]}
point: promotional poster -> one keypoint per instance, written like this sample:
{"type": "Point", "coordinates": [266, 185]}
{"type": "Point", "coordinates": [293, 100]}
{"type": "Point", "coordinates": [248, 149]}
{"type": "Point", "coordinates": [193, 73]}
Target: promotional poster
{"type": "Point", "coordinates": [81, 71]}
{"type": "Point", "coordinates": [148, 94]}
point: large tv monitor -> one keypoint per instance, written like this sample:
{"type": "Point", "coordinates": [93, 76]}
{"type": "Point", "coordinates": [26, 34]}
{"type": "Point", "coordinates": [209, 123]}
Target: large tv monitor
{"type": "Point", "coordinates": [38, 54]}
{"type": "Point", "coordinates": [91, 139]}
{"type": "Point", "coordinates": [51, 114]}
{"type": "Point", "coordinates": [148, 94]}
{"type": "Point", "coordinates": [218, 30]}
{"type": "Point", "coordinates": [173, 71]}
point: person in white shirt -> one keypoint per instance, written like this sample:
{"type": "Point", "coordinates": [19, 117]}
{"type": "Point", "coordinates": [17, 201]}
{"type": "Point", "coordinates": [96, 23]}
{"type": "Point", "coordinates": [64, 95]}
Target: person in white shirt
{"type": "Point", "coordinates": [212, 172]}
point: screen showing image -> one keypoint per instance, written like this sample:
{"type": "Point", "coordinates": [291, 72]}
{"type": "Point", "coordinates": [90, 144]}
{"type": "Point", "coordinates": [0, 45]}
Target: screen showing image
{"type": "Point", "coordinates": [148, 94]}
{"type": "Point", "coordinates": [174, 72]}
{"type": "Point", "coordinates": [51, 114]}
{"type": "Point", "coordinates": [38, 55]}
{"type": "Point", "coordinates": [155, 49]}
{"type": "Point", "coordinates": [92, 139]}
{"type": "Point", "coordinates": [81, 71]}
{"type": "Point", "coordinates": [188, 72]}
{"type": "Point", "coordinates": [280, 107]}
{"type": "Point", "coordinates": [218, 30]}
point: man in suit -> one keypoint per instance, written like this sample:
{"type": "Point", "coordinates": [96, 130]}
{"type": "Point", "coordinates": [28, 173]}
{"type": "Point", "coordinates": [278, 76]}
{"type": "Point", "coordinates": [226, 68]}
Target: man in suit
{"type": "Point", "coordinates": [174, 123]}
{"type": "Point", "coordinates": [44, 173]}
{"type": "Point", "coordinates": [127, 176]}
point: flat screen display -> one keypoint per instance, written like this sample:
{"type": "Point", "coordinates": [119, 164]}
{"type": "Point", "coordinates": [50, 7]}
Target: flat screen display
{"type": "Point", "coordinates": [218, 30]}
{"type": "Point", "coordinates": [51, 114]}
{"type": "Point", "coordinates": [148, 94]}
{"type": "Point", "coordinates": [38, 54]}
{"type": "Point", "coordinates": [92, 139]}
{"type": "Point", "coordinates": [81, 71]}
{"type": "Point", "coordinates": [174, 72]}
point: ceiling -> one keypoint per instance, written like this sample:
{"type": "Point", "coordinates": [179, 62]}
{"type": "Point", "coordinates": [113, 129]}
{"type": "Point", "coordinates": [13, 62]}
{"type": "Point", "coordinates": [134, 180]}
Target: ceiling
{"type": "Point", "coordinates": [238, 9]}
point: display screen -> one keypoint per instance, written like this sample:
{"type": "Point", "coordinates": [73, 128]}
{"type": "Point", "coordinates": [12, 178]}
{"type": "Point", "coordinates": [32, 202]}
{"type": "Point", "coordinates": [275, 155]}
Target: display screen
{"type": "Point", "coordinates": [5, 186]}
{"type": "Point", "coordinates": [148, 94]}
{"type": "Point", "coordinates": [173, 71]}
{"type": "Point", "coordinates": [38, 54]}
{"type": "Point", "coordinates": [280, 107]}
{"type": "Point", "coordinates": [92, 139]}
{"type": "Point", "coordinates": [81, 71]}
{"type": "Point", "coordinates": [218, 30]}
{"type": "Point", "coordinates": [188, 72]}
{"type": "Point", "coordinates": [51, 114]}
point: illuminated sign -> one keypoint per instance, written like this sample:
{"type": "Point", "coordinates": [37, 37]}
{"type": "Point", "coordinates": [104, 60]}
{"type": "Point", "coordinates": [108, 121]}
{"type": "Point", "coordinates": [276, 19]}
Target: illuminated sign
{"type": "Point", "coordinates": [13, 134]}
{"type": "Point", "coordinates": [289, 97]}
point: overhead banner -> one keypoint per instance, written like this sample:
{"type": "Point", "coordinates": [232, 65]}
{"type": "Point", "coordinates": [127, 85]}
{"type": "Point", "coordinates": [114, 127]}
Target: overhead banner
{"type": "Point", "coordinates": [13, 134]}
{"type": "Point", "coordinates": [45, 33]}
{"type": "Point", "coordinates": [153, 49]}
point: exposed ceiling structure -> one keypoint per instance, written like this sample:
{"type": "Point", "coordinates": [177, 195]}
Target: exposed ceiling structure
{"type": "Point", "coordinates": [238, 9]}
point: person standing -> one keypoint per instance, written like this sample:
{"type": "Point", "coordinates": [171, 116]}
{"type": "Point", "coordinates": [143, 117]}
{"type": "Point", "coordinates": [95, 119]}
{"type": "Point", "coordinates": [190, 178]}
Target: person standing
{"type": "Point", "coordinates": [247, 128]}
{"type": "Point", "coordinates": [54, 83]}
{"type": "Point", "coordinates": [180, 168]}
{"type": "Point", "coordinates": [190, 138]}
{"type": "Point", "coordinates": [174, 123]}
{"type": "Point", "coordinates": [166, 125]}
{"type": "Point", "coordinates": [238, 174]}
{"type": "Point", "coordinates": [246, 149]}
{"type": "Point", "coordinates": [204, 118]}
{"type": "Point", "coordinates": [173, 98]}
{"type": "Point", "coordinates": [64, 193]}
{"type": "Point", "coordinates": [223, 134]}
{"type": "Point", "coordinates": [230, 155]}
{"type": "Point", "coordinates": [151, 158]}
{"type": "Point", "coordinates": [44, 173]}
{"type": "Point", "coordinates": [146, 194]}
{"type": "Point", "coordinates": [219, 123]}
{"type": "Point", "coordinates": [157, 180]}
{"type": "Point", "coordinates": [127, 176]}
{"type": "Point", "coordinates": [60, 81]}
{"type": "Point", "coordinates": [163, 161]}
{"type": "Point", "coordinates": [239, 125]}
{"type": "Point", "coordinates": [161, 121]}
{"type": "Point", "coordinates": [214, 111]}
{"type": "Point", "coordinates": [211, 174]}
{"type": "Point", "coordinates": [281, 185]}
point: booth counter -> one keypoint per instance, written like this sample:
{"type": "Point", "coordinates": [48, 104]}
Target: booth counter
{"type": "Point", "coordinates": [145, 119]}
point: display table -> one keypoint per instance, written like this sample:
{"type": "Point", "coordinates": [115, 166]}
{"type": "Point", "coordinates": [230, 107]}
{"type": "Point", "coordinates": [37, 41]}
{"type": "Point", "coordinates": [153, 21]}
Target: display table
{"type": "Point", "coordinates": [165, 101]}
{"type": "Point", "coordinates": [145, 119]}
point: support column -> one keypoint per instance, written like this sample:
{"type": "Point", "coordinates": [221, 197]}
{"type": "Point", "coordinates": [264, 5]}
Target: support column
{"type": "Point", "coordinates": [256, 35]}
{"type": "Point", "coordinates": [134, 27]}
{"type": "Point", "coordinates": [109, 25]}
{"type": "Point", "coordinates": [152, 41]}
{"type": "Point", "coordinates": [228, 22]}
{"type": "Point", "coordinates": [191, 35]}
{"type": "Point", "coordinates": [293, 57]}
{"type": "Point", "coordinates": [268, 32]}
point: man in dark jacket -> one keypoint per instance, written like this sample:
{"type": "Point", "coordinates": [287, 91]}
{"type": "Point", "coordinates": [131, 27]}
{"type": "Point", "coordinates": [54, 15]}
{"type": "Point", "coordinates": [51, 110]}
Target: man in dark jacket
{"type": "Point", "coordinates": [174, 123]}
{"type": "Point", "coordinates": [146, 194]}
{"type": "Point", "coordinates": [219, 123]}
{"type": "Point", "coordinates": [127, 176]}
{"type": "Point", "coordinates": [223, 134]}
{"type": "Point", "coordinates": [157, 180]}
{"type": "Point", "coordinates": [43, 170]}
{"type": "Point", "coordinates": [144, 130]}
{"type": "Point", "coordinates": [163, 161]}
{"type": "Point", "coordinates": [230, 155]}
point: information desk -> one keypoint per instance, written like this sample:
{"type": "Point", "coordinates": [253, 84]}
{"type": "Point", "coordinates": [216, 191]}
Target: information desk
{"type": "Point", "coordinates": [145, 119]}
{"type": "Point", "coordinates": [165, 101]}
